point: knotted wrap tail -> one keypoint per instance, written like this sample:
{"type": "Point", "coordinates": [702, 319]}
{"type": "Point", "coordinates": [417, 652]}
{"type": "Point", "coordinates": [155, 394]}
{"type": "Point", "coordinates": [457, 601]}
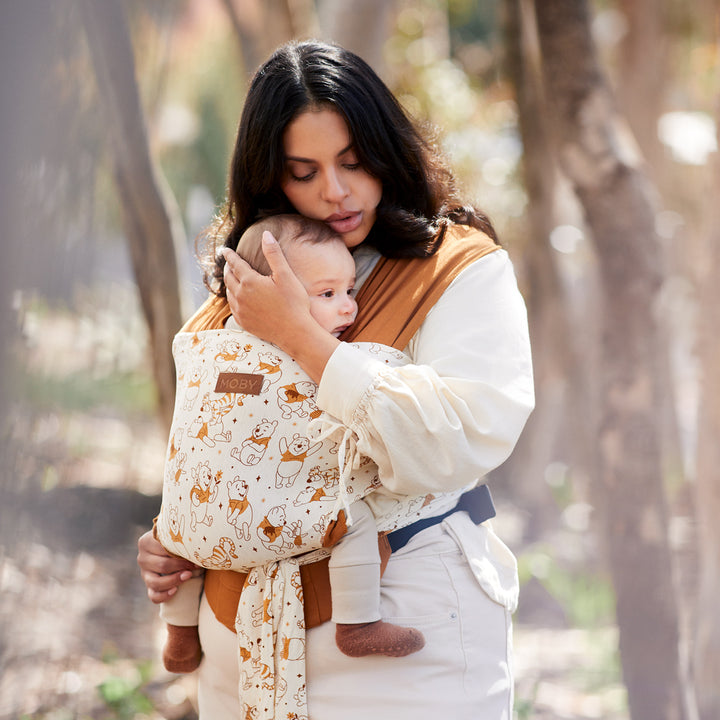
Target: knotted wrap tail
{"type": "Point", "coordinates": [271, 643]}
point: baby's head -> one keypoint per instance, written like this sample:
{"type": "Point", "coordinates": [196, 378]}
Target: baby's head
{"type": "Point", "coordinates": [319, 258]}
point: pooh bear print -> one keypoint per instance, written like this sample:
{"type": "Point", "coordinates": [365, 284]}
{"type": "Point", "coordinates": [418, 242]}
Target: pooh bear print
{"type": "Point", "coordinates": [176, 524]}
{"type": "Point", "coordinates": [197, 377]}
{"type": "Point", "coordinates": [294, 454]}
{"type": "Point", "coordinates": [298, 398]}
{"type": "Point", "coordinates": [231, 351]}
{"type": "Point", "coordinates": [320, 483]}
{"type": "Point", "coordinates": [238, 472]}
{"type": "Point", "coordinates": [253, 447]}
{"type": "Point", "coordinates": [274, 532]}
{"type": "Point", "coordinates": [202, 493]}
{"type": "Point", "coordinates": [179, 471]}
{"type": "Point", "coordinates": [268, 365]}
{"type": "Point", "coordinates": [175, 459]}
{"type": "Point", "coordinates": [239, 512]}
{"type": "Point", "coordinates": [174, 448]}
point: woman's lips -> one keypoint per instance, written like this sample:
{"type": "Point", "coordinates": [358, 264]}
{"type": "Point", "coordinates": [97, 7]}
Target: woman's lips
{"type": "Point", "coordinates": [345, 222]}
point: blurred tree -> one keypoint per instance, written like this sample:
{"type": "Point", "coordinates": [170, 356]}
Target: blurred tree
{"type": "Point", "coordinates": [362, 26]}
{"type": "Point", "coordinates": [643, 72]}
{"type": "Point", "coordinates": [706, 661]}
{"type": "Point", "coordinates": [151, 221]}
{"type": "Point", "coordinates": [246, 19]}
{"type": "Point", "coordinates": [15, 74]}
{"type": "Point", "coordinates": [553, 430]}
{"type": "Point", "coordinates": [642, 81]}
{"type": "Point", "coordinates": [668, 61]}
{"type": "Point", "coordinates": [20, 71]}
{"type": "Point", "coordinates": [598, 157]}
{"type": "Point", "coordinates": [262, 25]}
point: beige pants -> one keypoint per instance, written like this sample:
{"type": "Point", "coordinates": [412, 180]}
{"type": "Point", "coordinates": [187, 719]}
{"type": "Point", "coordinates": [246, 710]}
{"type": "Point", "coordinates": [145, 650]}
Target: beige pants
{"type": "Point", "coordinates": [464, 672]}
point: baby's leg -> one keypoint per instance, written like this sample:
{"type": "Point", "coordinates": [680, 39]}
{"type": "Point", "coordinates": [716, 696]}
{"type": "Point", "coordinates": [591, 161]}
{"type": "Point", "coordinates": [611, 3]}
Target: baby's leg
{"type": "Point", "coordinates": [182, 651]}
{"type": "Point", "coordinates": [355, 588]}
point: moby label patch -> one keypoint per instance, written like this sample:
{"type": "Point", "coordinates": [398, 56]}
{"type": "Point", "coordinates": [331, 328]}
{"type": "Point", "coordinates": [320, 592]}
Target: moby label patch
{"type": "Point", "coordinates": [244, 383]}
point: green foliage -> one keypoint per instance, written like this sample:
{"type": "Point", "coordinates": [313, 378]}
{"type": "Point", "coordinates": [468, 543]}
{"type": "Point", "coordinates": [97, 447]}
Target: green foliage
{"type": "Point", "coordinates": [586, 597]}
{"type": "Point", "coordinates": [97, 360]}
{"type": "Point", "coordinates": [206, 80]}
{"type": "Point", "coordinates": [472, 21]}
{"type": "Point", "coordinates": [124, 694]}
{"type": "Point", "coordinates": [525, 707]}
{"type": "Point", "coordinates": [128, 392]}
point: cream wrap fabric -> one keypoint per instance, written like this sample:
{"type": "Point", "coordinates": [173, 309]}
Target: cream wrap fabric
{"type": "Point", "coordinates": [271, 643]}
{"type": "Point", "coordinates": [254, 478]}
{"type": "Point", "coordinates": [244, 483]}
{"type": "Point", "coordinates": [252, 482]}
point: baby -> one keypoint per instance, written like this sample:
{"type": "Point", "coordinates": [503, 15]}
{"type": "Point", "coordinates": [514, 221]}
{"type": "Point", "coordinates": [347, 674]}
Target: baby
{"type": "Point", "coordinates": [326, 269]}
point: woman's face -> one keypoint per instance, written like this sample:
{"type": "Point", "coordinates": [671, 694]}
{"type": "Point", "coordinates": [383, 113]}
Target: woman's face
{"type": "Point", "coordinates": [323, 179]}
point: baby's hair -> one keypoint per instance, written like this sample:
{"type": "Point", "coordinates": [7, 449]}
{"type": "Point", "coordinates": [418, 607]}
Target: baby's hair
{"type": "Point", "coordinates": [286, 228]}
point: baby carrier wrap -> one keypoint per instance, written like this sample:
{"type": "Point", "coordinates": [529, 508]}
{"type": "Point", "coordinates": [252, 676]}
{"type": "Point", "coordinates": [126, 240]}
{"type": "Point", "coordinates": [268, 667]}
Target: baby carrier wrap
{"type": "Point", "coordinates": [250, 485]}
{"type": "Point", "coordinates": [242, 454]}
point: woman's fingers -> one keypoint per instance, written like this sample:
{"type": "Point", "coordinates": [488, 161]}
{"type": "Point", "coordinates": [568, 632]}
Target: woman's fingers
{"type": "Point", "coordinates": [264, 306]}
{"type": "Point", "coordinates": [235, 267]}
{"type": "Point", "coordinates": [275, 256]}
{"type": "Point", "coordinates": [238, 277]}
{"type": "Point", "coordinates": [284, 279]}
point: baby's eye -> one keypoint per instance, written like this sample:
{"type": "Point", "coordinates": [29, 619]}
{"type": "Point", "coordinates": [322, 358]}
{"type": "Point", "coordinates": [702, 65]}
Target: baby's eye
{"type": "Point", "coordinates": [327, 294]}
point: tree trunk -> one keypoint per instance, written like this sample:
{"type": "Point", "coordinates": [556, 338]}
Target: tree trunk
{"type": "Point", "coordinates": [262, 25]}
{"type": "Point", "coordinates": [707, 630]}
{"type": "Point", "coordinates": [147, 223]}
{"type": "Point", "coordinates": [642, 76]}
{"type": "Point", "coordinates": [598, 156]}
{"type": "Point", "coordinates": [362, 26]}
{"type": "Point", "coordinates": [20, 71]}
{"type": "Point", "coordinates": [553, 431]}
{"type": "Point", "coordinates": [642, 80]}
{"type": "Point", "coordinates": [245, 18]}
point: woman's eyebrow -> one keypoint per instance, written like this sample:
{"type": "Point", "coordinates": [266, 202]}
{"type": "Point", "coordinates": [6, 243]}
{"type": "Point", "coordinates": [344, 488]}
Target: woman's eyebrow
{"type": "Point", "coordinates": [296, 158]}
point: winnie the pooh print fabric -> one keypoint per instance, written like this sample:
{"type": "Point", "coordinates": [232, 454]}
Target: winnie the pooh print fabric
{"type": "Point", "coordinates": [245, 482]}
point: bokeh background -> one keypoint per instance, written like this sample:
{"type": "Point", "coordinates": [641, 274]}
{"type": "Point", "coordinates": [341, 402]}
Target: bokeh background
{"type": "Point", "coordinates": [586, 130]}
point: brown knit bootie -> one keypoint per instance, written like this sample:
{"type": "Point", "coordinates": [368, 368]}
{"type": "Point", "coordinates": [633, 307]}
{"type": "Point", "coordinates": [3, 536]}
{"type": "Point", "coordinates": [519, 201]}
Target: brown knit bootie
{"type": "Point", "coordinates": [377, 638]}
{"type": "Point", "coordinates": [182, 651]}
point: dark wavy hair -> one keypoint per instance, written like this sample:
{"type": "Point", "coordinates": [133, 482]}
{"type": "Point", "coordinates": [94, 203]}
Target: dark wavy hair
{"type": "Point", "coordinates": [419, 197]}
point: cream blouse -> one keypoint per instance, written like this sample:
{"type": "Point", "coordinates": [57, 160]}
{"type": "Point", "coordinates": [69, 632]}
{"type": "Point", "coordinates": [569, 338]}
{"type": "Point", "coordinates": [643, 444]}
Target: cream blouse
{"type": "Point", "coordinates": [444, 421]}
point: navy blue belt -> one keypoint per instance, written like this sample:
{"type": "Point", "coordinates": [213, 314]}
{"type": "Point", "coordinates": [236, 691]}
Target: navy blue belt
{"type": "Point", "coordinates": [476, 502]}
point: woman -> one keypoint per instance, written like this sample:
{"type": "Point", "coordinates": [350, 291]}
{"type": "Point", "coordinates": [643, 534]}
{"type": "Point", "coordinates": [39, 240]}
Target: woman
{"type": "Point", "coordinates": [320, 134]}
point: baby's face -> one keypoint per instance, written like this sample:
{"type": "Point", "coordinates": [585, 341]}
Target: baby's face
{"type": "Point", "coordinates": [327, 271]}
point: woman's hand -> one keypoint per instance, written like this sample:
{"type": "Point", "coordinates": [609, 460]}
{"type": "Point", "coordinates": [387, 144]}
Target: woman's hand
{"type": "Point", "coordinates": [162, 573]}
{"type": "Point", "coordinates": [269, 307]}
{"type": "Point", "coordinates": [276, 308]}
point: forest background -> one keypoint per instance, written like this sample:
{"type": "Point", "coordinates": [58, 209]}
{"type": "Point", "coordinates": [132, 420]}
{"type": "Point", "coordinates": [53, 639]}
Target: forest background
{"type": "Point", "coordinates": [588, 132]}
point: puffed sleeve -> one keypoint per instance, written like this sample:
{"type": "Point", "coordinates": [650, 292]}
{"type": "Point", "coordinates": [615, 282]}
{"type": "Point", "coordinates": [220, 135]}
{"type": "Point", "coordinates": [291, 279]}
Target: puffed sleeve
{"type": "Point", "coordinates": [455, 413]}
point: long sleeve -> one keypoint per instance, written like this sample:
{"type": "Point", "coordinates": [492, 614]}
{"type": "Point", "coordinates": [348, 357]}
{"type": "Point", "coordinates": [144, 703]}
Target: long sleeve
{"type": "Point", "coordinates": [455, 413]}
